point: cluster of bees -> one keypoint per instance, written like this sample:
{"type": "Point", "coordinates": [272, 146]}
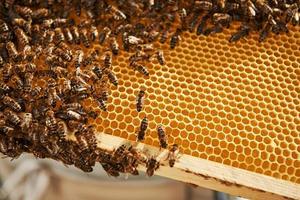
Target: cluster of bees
{"type": "Point", "coordinates": [49, 66]}
{"type": "Point", "coordinates": [55, 54]}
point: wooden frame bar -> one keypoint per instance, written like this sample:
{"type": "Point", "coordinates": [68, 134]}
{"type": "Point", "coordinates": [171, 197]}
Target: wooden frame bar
{"type": "Point", "coordinates": [212, 175]}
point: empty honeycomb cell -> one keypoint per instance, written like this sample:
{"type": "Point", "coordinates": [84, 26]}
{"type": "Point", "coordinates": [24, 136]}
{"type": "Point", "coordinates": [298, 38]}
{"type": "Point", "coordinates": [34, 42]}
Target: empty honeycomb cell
{"type": "Point", "coordinates": [280, 160]}
{"type": "Point", "coordinates": [187, 151]}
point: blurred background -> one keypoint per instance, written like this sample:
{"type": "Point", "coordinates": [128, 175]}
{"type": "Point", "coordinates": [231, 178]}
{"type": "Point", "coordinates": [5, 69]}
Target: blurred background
{"type": "Point", "coordinates": [27, 178]}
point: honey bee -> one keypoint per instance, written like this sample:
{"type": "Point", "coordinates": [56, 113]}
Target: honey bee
{"type": "Point", "coordinates": [104, 95]}
{"type": "Point", "coordinates": [213, 30]}
{"type": "Point", "coordinates": [6, 130]}
{"type": "Point", "coordinates": [84, 76]}
{"type": "Point", "coordinates": [119, 29]}
{"type": "Point", "coordinates": [20, 69]}
{"type": "Point", "coordinates": [28, 77]}
{"type": "Point", "coordinates": [84, 37]}
{"type": "Point", "coordinates": [4, 88]}
{"type": "Point", "coordinates": [92, 114]}
{"type": "Point", "coordinates": [82, 164]}
{"type": "Point", "coordinates": [145, 48]}
{"type": "Point", "coordinates": [139, 56]}
{"type": "Point", "coordinates": [27, 53]}
{"type": "Point", "coordinates": [49, 37]}
{"type": "Point", "coordinates": [24, 11]}
{"type": "Point", "coordinates": [7, 72]}
{"type": "Point", "coordinates": [174, 39]}
{"type": "Point", "coordinates": [251, 10]}
{"type": "Point", "coordinates": [58, 22]}
{"type": "Point", "coordinates": [107, 60]}
{"type": "Point", "coordinates": [64, 54]}
{"type": "Point", "coordinates": [140, 100]}
{"type": "Point", "coordinates": [263, 7]}
{"type": "Point", "coordinates": [291, 11]}
{"type": "Point", "coordinates": [162, 137]}
{"type": "Point", "coordinates": [3, 143]}
{"type": "Point", "coordinates": [242, 32]}
{"type": "Point", "coordinates": [112, 78]}
{"type": "Point", "coordinates": [83, 145]}
{"type": "Point", "coordinates": [102, 104]}
{"type": "Point", "coordinates": [182, 14]}
{"type": "Point", "coordinates": [66, 153]}
{"type": "Point", "coordinates": [132, 40]}
{"type": "Point", "coordinates": [68, 35]}
{"type": "Point", "coordinates": [12, 117]}
{"type": "Point", "coordinates": [143, 128]}
{"type": "Point", "coordinates": [3, 26]}
{"type": "Point", "coordinates": [97, 70]}
{"type": "Point", "coordinates": [40, 13]}
{"type": "Point", "coordinates": [280, 27]}
{"type": "Point", "coordinates": [65, 86]}
{"type": "Point", "coordinates": [173, 154]}
{"type": "Point", "coordinates": [164, 36]}
{"type": "Point", "coordinates": [17, 83]}
{"type": "Point", "coordinates": [202, 24]}
{"type": "Point", "coordinates": [126, 45]}
{"type": "Point", "coordinates": [232, 7]}
{"type": "Point", "coordinates": [160, 57]}
{"type": "Point", "coordinates": [12, 51]}
{"type": "Point", "coordinates": [222, 19]}
{"type": "Point", "coordinates": [79, 86]}
{"type": "Point", "coordinates": [53, 97]}
{"type": "Point", "coordinates": [152, 35]}
{"type": "Point", "coordinates": [120, 153]}
{"type": "Point", "coordinates": [37, 33]}
{"type": "Point", "coordinates": [109, 169]}
{"type": "Point", "coordinates": [103, 35]}
{"type": "Point", "coordinates": [75, 34]}
{"type": "Point", "coordinates": [59, 36]}
{"type": "Point", "coordinates": [72, 106]}
{"type": "Point", "coordinates": [91, 139]}
{"type": "Point", "coordinates": [141, 69]}
{"type": "Point", "coordinates": [50, 121]}
{"type": "Point", "coordinates": [74, 125]}
{"type": "Point", "coordinates": [26, 121]}
{"type": "Point", "coordinates": [117, 14]}
{"type": "Point", "coordinates": [53, 61]}
{"type": "Point", "coordinates": [94, 33]}
{"type": "Point", "coordinates": [152, 165]}
{"type": "Point", "coordinates": [11, 103]}
{"type": "Point", "coordinates": [204, 5]}
{"type": "Point", "coordinates": [23, 24]}
{"type": "Point", "coordinates": [36, 91]}
{"type": "Point", "coordinates": [5, 37]}
{"type": "Point", "coordinates": [47, 24]}
{"type": "Point", "coordinates": [114, 46]}
{"type": "Point", "coordinates": [78, 58]}
{"type": "Point", "coordinates": [295, 19]}
{"type": "Point", "coordinates": [91, 58]}
{"type": "Point", "coordinates": [72, 115]}
{"type": "Point", "coordinates": [266, 29]}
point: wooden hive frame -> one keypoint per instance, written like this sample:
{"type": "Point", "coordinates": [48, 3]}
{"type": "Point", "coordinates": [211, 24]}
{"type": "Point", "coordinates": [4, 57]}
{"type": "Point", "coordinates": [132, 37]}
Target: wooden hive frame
{"type": "Point", "coordinates": [192, 167]}
{"type": "Point", "coordinates": [212, 175]}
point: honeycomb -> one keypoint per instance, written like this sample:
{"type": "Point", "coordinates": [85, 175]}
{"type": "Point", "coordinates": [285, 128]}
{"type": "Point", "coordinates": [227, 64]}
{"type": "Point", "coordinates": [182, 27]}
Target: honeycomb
{"type": "Point", "coordinates": [233, 103]}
